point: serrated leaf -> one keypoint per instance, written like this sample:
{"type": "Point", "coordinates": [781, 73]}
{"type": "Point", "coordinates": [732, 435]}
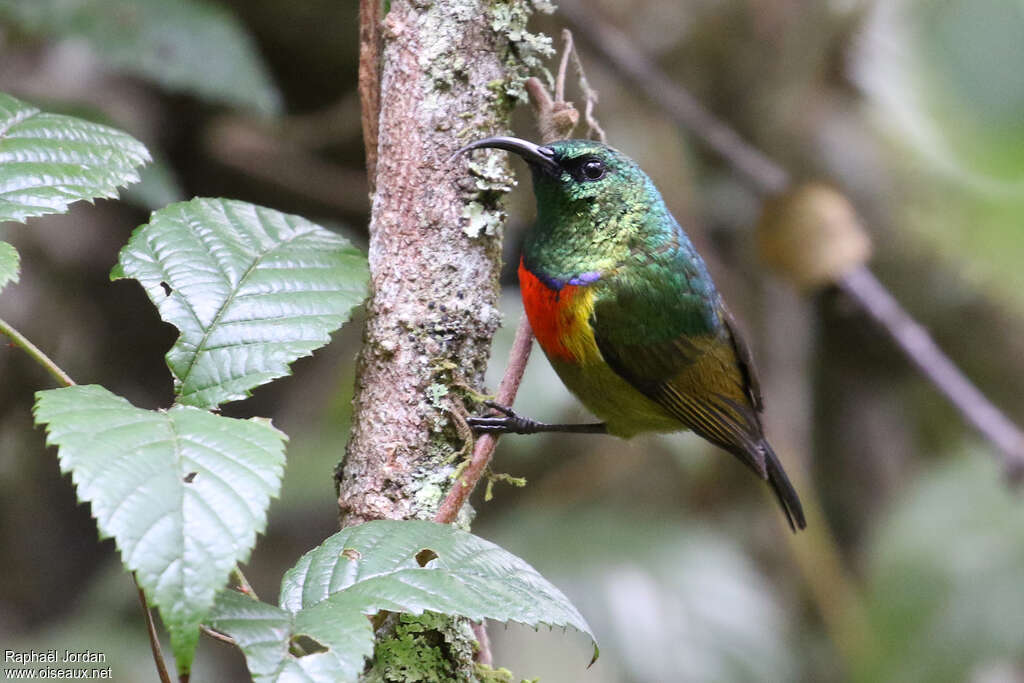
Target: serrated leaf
{"type": "Point", "coordinates": [264, 632]}
{"type": "Point", "coordinates": [48, 161]}
{"type": "Point", "coordinates": [467, 575]}
{"type": "Point", "coordinates": [183, 492]}
{"type": "Point", "coordinates": [251, 289]}
{"type": "Point", "coordinates": [185, 45]}
{"type": "Point", "coordinates": [9, 262]}
{"type": "Point", "coordinates": [398, 566]}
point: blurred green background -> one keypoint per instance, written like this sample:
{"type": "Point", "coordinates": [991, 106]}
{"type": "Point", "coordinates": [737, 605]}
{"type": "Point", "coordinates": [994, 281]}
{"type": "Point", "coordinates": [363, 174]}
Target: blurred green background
{"type": "Point", "coordinates": [913, 568]}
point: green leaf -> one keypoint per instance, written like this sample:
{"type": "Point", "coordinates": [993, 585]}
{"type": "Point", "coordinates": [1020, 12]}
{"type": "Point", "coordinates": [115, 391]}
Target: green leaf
{"type": "Point", "coordinates": [186, 45]}
{"type": "Point", "coordinates": [469, 576]}
{"type": "Point", "coordinates": [264, 633]}
{"type": "Point", "coordinates": [48, 161]}
{"type": "Point", "coordinates": [398, 566]}
{"type": "Point", "coordinates": [251, 289]}
{"type": "Point", "coordinates": [183, 492]}
{"type": "Point", "coordinates": [8, 264]}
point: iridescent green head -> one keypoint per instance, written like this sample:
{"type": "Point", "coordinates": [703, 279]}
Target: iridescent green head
{"type": "Point", "coordinates": [571, 171]}
{"type": "Point", "coordinates": [595, 206]}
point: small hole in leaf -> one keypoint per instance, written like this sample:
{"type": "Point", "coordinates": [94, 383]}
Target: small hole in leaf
{"type": "Point", "coordinates": [189, 477]}
{"type": "Point", "coordinates": [351, 554]}
{"type": "Point", "coordinates": [166, 287]}
{"type": "Point", "coordinates": [301, 646]}
{"type": "Point", "coordinates": [424, 556]}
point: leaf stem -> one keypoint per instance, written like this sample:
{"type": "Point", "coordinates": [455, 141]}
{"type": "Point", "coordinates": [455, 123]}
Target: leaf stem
{"type": "Point", "coordinates": [217, 635]}
{"type": "Point", "coordinates": [64, 379]}
{"type": "Point", "coordinates": [243, 584]}
{"type": "Point", "coordinates": [154, 641]}
{"type": "Point", "coordinates": [22, 342]}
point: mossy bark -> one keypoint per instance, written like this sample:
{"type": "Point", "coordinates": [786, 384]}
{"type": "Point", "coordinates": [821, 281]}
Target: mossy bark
{"type": "Point", "coordinates": [450, 72]}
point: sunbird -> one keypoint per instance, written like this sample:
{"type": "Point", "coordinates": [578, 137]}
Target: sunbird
{"type": "Point", "coordinates": [627, 314]}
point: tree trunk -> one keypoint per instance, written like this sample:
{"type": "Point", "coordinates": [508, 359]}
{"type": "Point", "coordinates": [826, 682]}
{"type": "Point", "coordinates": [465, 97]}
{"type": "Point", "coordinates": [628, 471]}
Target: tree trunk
{"type": "Point", "coordinates": [449, 75]}
{"type": "Point", "coordinates": [450, 72]}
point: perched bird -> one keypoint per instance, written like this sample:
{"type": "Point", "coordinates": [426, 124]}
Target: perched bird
{"type": "Point", "coordinates": [626, 312]}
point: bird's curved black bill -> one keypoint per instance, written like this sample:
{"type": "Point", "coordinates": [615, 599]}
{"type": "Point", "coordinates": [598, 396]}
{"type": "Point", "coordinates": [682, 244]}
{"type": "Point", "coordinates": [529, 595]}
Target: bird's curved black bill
{"type": "Point", "coordinates": [535, 155]}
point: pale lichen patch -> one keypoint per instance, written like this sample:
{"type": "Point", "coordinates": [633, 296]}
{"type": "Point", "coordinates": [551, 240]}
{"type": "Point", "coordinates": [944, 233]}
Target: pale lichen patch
{"type": "Point", "coordinates": [526, 50]}
{"type": "Point", "coordinates": [479, 220]}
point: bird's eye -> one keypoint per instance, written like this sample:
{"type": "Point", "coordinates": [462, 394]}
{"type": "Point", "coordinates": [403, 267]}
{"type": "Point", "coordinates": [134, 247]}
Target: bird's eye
{"type": "Point", "coordinates": [592, 169]}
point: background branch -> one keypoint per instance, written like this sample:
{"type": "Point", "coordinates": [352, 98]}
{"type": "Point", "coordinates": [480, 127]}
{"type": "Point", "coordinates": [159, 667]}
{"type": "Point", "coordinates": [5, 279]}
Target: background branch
{"type": "Point", "coordinates": [874, 299]}
{"type": "Point", "coordinates": [624, 58]}
{"type": "Point", "coordinates": [369, 81]}
{"type": "Point", "coordinates": [256, 149]}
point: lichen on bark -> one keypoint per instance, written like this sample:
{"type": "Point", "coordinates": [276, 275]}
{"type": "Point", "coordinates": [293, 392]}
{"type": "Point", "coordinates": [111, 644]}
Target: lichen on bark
{"type": "Point", "coordinates": [450, 72]}
{"type": "Point", "coordinates": [435, 242]}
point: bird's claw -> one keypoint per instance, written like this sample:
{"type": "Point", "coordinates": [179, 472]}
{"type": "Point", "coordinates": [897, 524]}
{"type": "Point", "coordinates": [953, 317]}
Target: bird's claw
{"type": "Point", "coordinates": [504, 410]}
{"type": "Point", "coordinates": [510, 422]}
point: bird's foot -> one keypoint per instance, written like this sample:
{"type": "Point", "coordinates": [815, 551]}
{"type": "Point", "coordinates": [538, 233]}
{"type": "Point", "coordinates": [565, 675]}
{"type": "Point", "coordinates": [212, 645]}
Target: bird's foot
{"type": "Point", "coordinates": [512, 423]}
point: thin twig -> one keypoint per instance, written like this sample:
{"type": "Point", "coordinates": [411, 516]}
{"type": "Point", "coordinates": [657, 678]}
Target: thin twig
{"type": "Point", "coordinates": [924, 353]}
{"type": "Point", "coordinates": [594, 129]}
{"type": "Point", "coordinates": [563, 65]}
{"type": "Point", "coordinates": [555, 120]}
{"type": "Point", "coordinates": [484, 446]}
{"type": "Point", "coordinates": [540, 98]}
{"type": "Point", "coordinates": [619, 53]}
{"type": "Point", "coordinates": [569, 53]}
{"type": "Point", "coordinates": [64, 379]}
{"type": "Point", "coordinates": [770, 177]}
{"type": "Point", "coordinates": [154, 640]}
{"type": "Point", "coordinates": [369, 81]}
{"type": "Point", "coordinates": [22, 342]}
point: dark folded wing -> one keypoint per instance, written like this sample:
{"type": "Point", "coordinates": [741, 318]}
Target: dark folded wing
{"type": "Point", "coordinates": [703, 379]}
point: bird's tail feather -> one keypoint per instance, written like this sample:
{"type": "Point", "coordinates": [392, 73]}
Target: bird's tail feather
{"type": "Point", "coordinates": [783, 489]}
